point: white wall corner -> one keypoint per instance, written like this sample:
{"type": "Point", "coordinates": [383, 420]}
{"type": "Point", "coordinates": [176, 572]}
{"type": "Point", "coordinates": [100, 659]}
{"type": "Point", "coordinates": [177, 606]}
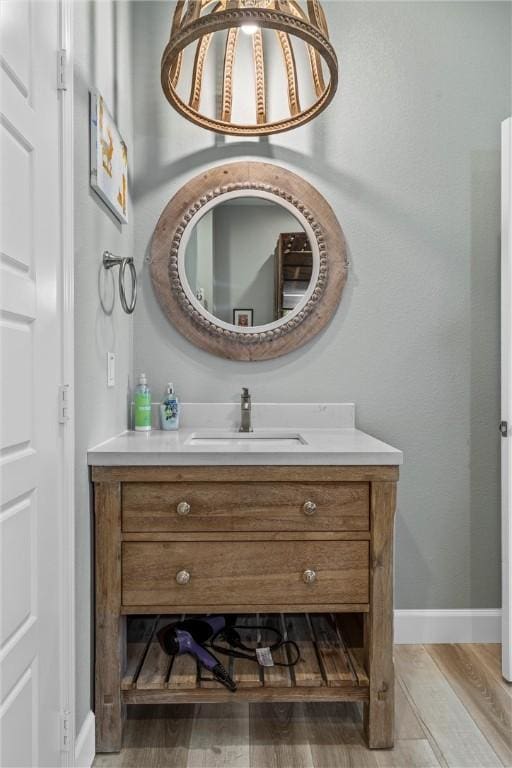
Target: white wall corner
{"type": "Point", "coordinates": [85, 744]}
{"type": "Point", "coordinates": [479, 625]}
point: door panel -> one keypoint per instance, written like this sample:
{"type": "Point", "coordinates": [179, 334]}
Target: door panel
{"type": "Point", "coordinates": [16, 164]}
{"type": "Point", "coordinates": [17, 356]}
{"type": "Point", "coordinates": [17, 547]}
{"type": "Point", "coordinates": [19, 720]}
{"type": "Point", "coordinates": [15, 35]}
{"type": "Point", "coordinates": [30, 248]}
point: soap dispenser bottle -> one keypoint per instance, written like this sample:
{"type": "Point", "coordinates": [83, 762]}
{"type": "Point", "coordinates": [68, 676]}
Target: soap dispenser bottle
{"type": "Point", "coordinates": [170, 409]}
{"type": "Point", "coordinates": [142, 409]}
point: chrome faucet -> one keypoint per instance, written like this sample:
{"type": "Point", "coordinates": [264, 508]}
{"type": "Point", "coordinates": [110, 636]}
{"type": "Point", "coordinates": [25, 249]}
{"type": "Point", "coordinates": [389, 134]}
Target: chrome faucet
{"type": "Point", "coordinates": [245, 421]}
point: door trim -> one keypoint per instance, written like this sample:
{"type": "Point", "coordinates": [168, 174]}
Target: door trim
{"type": "Point", "coordinates": [506, 395]}
{"type": "Point", "coordinates": [67, 311]}
{"type": "Point", "coordinates": [85, 744]}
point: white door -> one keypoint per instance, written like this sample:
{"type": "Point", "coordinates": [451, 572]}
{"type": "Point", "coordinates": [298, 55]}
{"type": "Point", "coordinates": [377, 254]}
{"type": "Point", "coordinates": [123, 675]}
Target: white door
{"type": "Point", "coordinates": [30, 338]}
{"type": "Point", "coordinates": [506, 395]}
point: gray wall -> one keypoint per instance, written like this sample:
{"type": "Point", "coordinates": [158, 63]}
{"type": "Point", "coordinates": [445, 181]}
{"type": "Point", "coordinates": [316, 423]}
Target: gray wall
{"type": "Point", "coordinates": [205, 250]}
{"type": "Point", "coordinates": [244, 265]}
{"type": "Point", "coordinates": [408, 155]}
{"type": "Point", "coordinates": [199, 260]}
{"type": "Point", "coordinates": [101, 42]}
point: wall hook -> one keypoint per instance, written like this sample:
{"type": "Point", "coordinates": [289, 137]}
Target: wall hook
{"type": "Point", "coordinates": [109, 261]}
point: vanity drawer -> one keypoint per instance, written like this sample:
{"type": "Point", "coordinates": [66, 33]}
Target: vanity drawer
{"type": "Point", "coordinates": [281, 506]}
{"type": "Point", "coordinates": [244, 573]}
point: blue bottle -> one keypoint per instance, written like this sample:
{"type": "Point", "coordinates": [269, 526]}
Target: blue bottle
{"type": "Point", "coordinates": [170, 410]}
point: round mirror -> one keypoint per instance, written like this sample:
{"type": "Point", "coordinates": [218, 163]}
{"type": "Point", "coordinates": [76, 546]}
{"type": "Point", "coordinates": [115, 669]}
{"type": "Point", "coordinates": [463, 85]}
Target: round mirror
{"type": "Point", "coordinates": [249, 262]}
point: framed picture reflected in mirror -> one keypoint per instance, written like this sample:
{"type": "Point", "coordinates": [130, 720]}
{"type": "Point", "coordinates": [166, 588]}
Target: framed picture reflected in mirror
{"type": "Point", "coordinates": [243, 317]}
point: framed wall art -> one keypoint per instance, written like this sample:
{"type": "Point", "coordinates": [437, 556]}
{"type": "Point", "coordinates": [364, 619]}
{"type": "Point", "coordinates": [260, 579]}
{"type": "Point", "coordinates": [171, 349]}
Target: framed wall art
{"type": "Point", "coordinates": [109, 159]}
{"type": "Point", "coordinates": [243, 317]}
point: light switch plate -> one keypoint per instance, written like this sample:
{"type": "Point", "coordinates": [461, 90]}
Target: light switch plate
{"type": "Point", "coordinates": [111, 369]}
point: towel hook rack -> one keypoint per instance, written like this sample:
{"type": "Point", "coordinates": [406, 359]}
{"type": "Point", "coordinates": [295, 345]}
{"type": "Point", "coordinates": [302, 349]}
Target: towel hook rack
{"type": "Point", "coordinates": [109, 261]}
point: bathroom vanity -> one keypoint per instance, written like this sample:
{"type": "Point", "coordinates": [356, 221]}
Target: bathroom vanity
{"type": "Point", "coordinates": [293, 522]}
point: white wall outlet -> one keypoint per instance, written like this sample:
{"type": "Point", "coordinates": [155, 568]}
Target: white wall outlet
{"type": "Point", "coordinates": [111, 369]}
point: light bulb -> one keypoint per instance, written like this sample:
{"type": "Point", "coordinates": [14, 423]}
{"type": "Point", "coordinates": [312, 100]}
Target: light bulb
{"type": "Point", "coordinates": [249, 29]}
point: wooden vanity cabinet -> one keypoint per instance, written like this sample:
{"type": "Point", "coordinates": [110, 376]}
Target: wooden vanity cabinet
{"type": "Point", "coordinates": [297, 541]}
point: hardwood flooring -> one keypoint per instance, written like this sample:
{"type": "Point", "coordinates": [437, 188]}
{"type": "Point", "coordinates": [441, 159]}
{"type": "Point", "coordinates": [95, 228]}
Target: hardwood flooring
{"type": "Point", "coordinates": [453, 709]}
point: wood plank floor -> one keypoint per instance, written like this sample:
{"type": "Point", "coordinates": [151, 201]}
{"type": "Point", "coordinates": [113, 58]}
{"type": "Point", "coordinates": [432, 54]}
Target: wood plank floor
{"type": "Point", "coordinates": [453, 709]}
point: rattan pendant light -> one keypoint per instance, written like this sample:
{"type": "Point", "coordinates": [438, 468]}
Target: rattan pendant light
{"type": "Point", "coordinates": [293, 25]}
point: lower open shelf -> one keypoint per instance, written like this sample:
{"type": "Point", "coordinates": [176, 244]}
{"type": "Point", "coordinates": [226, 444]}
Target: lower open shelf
{"type": "Point", "coordinates": [330, 668]}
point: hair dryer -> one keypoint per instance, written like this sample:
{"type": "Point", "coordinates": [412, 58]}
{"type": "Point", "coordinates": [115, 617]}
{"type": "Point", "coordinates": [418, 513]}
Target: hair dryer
{"type": "Point", "coordinates": [188, 637]}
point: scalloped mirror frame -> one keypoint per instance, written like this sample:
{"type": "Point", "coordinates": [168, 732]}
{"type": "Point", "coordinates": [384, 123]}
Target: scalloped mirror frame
{"type": "Point", "coordinates": [198, 325]}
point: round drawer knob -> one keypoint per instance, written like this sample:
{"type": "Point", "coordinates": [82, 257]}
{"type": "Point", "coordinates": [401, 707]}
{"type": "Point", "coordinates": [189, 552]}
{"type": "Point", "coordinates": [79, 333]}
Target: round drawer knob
{"type": "Point", "coordinates": [183, 508]}
{"type": "Point", "coordinates": [309, 508]}
{"type": "Point", "coordinates": [183, 577]}
{"type": "Point", "coordinates": [309, 576]}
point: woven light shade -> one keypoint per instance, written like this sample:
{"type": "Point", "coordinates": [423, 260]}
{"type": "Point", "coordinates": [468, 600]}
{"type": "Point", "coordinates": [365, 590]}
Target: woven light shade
{"type": "Point", "coordinates": [299, 29]}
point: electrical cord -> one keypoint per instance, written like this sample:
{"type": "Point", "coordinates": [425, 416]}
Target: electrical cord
{"type": "Point", "coordinates": [231, 636]}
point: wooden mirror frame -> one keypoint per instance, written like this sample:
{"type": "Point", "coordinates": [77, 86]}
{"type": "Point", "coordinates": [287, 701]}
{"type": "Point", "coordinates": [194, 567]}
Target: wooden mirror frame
{"type": "Point", "coordinates": [198, 325]}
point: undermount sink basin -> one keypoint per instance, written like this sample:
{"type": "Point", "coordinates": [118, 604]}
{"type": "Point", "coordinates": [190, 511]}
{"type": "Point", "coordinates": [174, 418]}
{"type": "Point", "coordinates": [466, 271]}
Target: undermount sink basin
{"type": "Point", "coordinates": [260, 438]}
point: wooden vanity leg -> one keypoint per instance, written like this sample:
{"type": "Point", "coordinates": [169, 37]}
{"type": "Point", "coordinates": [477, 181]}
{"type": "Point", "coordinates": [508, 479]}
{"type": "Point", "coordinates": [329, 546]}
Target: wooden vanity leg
{"type": "Point", "coordinates": [110, 625]}
{"type": "Point", "coordinates": [379, 711]}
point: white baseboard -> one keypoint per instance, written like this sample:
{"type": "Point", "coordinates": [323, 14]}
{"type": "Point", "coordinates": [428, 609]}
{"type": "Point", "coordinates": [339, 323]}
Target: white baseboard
{"type": "Point", "coordinates": [85, 744]}
{"type": "Point", "coordinates": [444, 626]}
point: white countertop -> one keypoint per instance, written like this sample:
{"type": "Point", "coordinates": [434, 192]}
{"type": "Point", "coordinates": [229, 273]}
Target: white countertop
{"type": "Point", "coordinates": [327, 431]}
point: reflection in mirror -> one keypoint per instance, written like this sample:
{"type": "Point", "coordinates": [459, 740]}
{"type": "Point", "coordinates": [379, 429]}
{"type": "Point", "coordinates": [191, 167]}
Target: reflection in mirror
{"type": "Point", "coordinates": [248, 261]}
